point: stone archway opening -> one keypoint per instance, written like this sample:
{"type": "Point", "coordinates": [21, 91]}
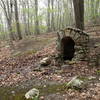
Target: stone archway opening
{"type": "Point", "coordinates": [67, 47]}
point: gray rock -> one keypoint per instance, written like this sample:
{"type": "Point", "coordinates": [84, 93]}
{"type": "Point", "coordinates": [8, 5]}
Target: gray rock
{"type": "Point", "coordinates": [45, 61]}
{"type": "Point", "coordinates": [31, 94]}
{"type": "Point", "coordinates": [91, 77]}
{"type": "Point", "coordinates": [76, 83]}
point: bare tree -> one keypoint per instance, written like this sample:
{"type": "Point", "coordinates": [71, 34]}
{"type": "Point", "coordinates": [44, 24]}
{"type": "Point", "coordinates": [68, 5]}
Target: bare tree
{"type": "Point", "coordinates": [28, 20]}
{"type": "Point", "coordinates": [24, 18]}
{"type": "Point", "coordinates": [37, 30]}
{"type": "Point", "coordinates": [7, 6]}
{"type": "Point", "coordinates": [79, 13]}
{"type": "Point", "coordinates": [48, 17]}
{"type": "Point", "coordinates": [52, 16]}
{"type": "Point", "coordinates": [17, 21]}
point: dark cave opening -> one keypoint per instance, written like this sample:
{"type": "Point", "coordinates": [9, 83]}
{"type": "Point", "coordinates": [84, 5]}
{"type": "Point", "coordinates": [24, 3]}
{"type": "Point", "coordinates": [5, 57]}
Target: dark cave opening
{"type": "Point", "coordinates": [67, 47]}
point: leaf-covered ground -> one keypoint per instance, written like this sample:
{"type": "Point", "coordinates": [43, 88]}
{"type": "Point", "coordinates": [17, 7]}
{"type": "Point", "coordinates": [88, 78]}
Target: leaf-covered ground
{"type": "Point", "coordinates": [22, 68]}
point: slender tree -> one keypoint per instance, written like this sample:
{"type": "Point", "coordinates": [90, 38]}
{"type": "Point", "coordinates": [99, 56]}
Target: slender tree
{"type": "Point", "coordinates": [17, 21]}
{"type": "Point", "coordinates": [37, 30]}
{"type": "Point", "coordinates": [48, 17]}
{"type": "Point", "coordinates": [52, 16]}
{"type": "Point", "coordinates": [8, 11]}
{"type": "Point", "coordinates": [7, 6]}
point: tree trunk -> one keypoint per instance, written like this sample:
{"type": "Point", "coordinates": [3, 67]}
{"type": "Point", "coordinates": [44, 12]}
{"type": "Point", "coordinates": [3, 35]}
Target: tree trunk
{"type": "Point", "coordinates": [48, 17]}
{"type": "Point", "coordinates": [10, 35]}
{"type": "Point", "coordinates": [79, 13]}
{"type": "Point", "coordinates": [37, 30]}
{"type": "Point", "coordinates": [28, 20]}
{"type": "Point", "coordinates": [17, 21]}
{"type": "Point", "coordinates": [52, 17]}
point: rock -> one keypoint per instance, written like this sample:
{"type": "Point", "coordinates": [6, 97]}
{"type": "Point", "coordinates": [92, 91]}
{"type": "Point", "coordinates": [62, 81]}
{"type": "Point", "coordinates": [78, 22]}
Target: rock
{"type": "Point", "coordinates": [7, 46]}
{"type": "Point", "coordinates": [3, 77]}
{"type": "Point", "coordinates": [65, 66]}
{"type": "Point", "coordinates": [45, 61]}
{"type": "Point", "coordinates": [96, 45]}
{"type": "Point", "coordinates": [32, 94]}
{"type": "Point", "coordinates": [76, 83]}
{"type": "Point", "coordinates": [42, 98]}
{"type": "Point", "coordinates": [13, 93]}
{"type": "Point", "coordinates": [91, 77]}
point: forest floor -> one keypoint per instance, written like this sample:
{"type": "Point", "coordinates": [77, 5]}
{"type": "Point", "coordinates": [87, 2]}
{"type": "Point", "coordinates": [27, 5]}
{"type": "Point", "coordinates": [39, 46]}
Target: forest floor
{"type": "Point", "coordinates": [21, 68]}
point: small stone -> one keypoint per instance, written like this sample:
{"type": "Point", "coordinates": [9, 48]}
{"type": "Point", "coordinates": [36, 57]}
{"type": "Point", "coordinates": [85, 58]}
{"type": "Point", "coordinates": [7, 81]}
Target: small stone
{"type": "Point", "coordinates": [91, 77]}
{"type": "Point", "coordinates": [42, 98]}
{"type": "Point", "coordinates": [83, 94]}
{"type": "Point", "coordinates": [13, 92]}
{"type": "Point", "coordinates": [45, 61]}
{"type": "Point", "coordinates": [98, 84]}
{"type": "Point", "coordinates": [44, 86]}
{"type": "Point", "coordinates": [65, 66]}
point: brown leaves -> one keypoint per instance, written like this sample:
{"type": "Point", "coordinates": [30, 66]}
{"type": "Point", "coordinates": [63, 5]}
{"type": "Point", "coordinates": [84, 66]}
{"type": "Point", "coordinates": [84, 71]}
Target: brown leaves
{"type": "Point", "coordinates": [14, 70]}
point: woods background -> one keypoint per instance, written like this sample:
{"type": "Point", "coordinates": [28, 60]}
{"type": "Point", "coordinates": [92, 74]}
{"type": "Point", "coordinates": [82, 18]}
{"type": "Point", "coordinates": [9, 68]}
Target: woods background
{"type": "Point", "coordinates": [20, 18]}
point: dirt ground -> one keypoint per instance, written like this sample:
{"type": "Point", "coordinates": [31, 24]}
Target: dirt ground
{"type": "Point", "coordinates": [21, 68]}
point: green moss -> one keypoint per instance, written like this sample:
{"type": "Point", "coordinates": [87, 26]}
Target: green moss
{"type": "Point", "coordinates": [6, 94]}
{"type": "Point", "coordinates": [50, 89]}
{"type": "Point", "coordinates": [83, 78]}
{"type": "Point", "coordinates": [30, 52]}
{"type": "Point", "coordinates": [98, 72]}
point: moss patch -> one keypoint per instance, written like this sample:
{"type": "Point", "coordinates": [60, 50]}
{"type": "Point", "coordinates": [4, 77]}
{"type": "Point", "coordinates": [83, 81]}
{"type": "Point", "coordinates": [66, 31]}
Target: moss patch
{"type": "Point", "coordinates": [6, 94]}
